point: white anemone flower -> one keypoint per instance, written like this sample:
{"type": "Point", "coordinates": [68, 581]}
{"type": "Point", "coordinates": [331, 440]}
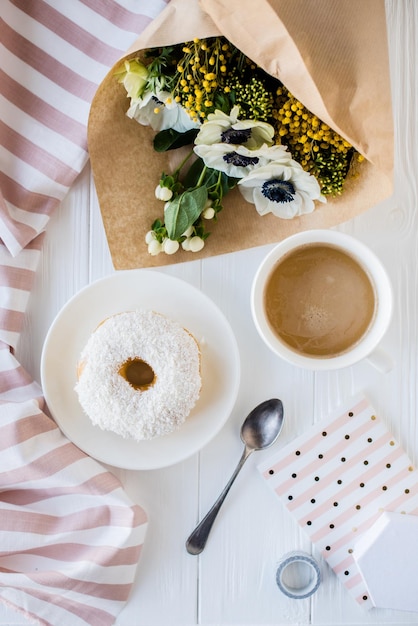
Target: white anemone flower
{"type": "Point", "coordinates": [238, 161]}
{"type": "Point", "coordinates": [228, 129]}
{"type": "Point", "coordinates": [161, 111]}
{"type": "Point", "coordinates": [284, 190]}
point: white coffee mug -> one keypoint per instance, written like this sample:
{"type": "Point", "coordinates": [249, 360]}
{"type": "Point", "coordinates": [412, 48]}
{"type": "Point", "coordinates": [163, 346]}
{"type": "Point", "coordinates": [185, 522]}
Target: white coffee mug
{"type": "Point", "coordinates": [367, 346]}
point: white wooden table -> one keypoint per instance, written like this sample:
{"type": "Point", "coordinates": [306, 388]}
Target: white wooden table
{"type": "Point", "coordinates": [233, 581]}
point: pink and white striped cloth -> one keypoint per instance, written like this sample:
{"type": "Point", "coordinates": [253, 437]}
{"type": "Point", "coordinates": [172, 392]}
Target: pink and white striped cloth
{"type": "Point", "coordinates": [70, 537]}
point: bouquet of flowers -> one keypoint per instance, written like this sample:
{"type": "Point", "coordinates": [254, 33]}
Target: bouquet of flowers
{"type": "Point", "coordinates": [258, 107]}
{"type": "Point", "coordinates": [244, 129]}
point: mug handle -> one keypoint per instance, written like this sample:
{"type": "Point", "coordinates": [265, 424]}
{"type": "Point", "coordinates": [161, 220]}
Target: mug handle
{"type": "Point", "coordinates": [381, 360]}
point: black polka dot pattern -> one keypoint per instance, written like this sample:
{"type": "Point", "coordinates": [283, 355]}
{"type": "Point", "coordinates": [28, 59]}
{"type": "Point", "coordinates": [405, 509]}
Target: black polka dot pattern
{"type": "Point", "coordinates": [338, 475]}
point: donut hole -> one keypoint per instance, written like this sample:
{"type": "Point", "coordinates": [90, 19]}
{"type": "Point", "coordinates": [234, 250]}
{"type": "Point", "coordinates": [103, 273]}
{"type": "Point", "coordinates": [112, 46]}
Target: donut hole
{"type": "Point", "coordinates": [138, 373]}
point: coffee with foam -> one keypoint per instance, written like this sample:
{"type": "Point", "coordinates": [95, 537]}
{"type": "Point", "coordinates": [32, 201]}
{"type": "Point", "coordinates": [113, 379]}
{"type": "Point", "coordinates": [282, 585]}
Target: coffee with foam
{"type": "Point", "coordinates": [319, 300]}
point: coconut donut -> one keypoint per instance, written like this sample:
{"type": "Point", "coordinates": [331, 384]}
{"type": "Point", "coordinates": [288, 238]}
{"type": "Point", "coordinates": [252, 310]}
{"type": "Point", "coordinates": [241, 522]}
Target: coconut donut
{"type": "Point", "coordinates": [139, 375]}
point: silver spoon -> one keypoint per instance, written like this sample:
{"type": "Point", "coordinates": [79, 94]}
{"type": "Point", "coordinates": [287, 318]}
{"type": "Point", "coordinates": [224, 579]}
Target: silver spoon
{"type": "Point", "coordinates": [259, 431]}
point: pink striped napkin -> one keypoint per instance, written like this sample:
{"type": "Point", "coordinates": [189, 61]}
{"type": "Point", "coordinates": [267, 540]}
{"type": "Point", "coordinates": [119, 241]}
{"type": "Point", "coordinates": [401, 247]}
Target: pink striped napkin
{"type": "Point", "coordinates": [337, 478]}
{"type": "Point", "coordinates": [70, 537]}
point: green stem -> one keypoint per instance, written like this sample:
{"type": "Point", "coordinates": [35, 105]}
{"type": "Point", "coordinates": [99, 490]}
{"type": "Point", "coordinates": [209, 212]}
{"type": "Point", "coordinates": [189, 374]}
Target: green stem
{"type": "Point", "coordinates": [216, 185]}
{"type": "Point", "coordinates": [219, 185]}
{"type": "Point", "coordinates": [186, 158]}
{"type": "Point", "coordinates": [202, 176]}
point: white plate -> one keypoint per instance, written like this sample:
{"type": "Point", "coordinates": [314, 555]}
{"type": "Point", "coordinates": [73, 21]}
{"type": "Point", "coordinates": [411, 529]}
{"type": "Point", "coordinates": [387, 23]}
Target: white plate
{"type": "Point", "coordinates": [124, 291]}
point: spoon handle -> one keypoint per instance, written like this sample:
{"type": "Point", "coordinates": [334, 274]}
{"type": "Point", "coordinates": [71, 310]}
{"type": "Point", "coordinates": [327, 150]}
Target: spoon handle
{"type": "Point", "coordinates": [197, 540]}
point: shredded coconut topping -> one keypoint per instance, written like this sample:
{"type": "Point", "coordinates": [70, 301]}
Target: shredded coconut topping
{"type": "Point", "coordinates": [112, 403]}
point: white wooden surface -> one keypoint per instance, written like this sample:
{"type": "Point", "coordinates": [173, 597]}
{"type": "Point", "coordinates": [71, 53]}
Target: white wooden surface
{"type": "Point", "coordinates": [233, 581]}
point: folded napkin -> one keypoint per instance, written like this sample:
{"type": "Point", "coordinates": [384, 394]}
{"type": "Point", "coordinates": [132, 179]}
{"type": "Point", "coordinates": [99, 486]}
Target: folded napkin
{"type": "Point", "coordinates": [336, 480]}
{"type": "Point", "coordinates": [70, 536]}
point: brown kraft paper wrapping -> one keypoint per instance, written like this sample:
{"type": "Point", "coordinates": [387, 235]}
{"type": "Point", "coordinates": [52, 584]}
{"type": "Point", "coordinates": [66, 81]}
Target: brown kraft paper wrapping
{"type": "Point", "coordinates": [331, 55]}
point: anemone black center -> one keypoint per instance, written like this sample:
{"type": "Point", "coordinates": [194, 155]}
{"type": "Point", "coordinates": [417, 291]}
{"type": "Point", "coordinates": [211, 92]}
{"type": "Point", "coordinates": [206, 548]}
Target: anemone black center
{"type": "Point", "coordinates": [237, 137]}
{"type": "Point", "coordinates": [155, 99]}
{"type": "Point", "coordinates": [277, 190]}
{"type": "Point", "coordinates": [240, 160]}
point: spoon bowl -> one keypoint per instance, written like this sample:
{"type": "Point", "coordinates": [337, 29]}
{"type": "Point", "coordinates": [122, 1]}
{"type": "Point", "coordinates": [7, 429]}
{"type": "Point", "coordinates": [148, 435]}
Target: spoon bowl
{"type": "Point", "coordinates": [260, 430]}
{"type": "Point", "coordinates": [263, 425]}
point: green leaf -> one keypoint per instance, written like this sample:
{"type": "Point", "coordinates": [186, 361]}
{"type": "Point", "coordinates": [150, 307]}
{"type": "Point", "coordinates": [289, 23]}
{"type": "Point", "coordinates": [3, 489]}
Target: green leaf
{"type": "Point", "coordinates": [170, 139]}
{"type": "Point", "coordinates": [210, 176]}
{"type": "Point", "coordinates": [224, 102]}
{"type": "Point", "coordinates": [157, 224]}
{"type": "Point", "coordinates": [193, 173]}
{"type": "Point", "coordinates": [227, 183]}
{"type": "Point", "coordinates": [181, 212]}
